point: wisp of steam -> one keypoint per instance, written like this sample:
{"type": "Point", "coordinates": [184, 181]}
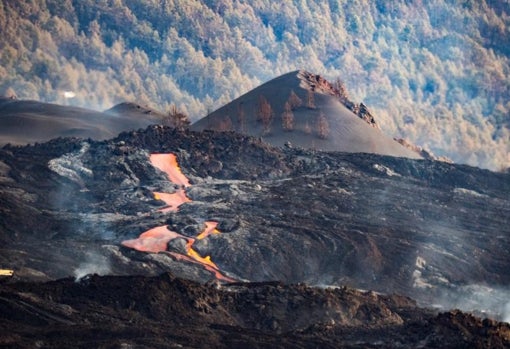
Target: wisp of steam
{"type": "Point", "coordinates": [94, 263]}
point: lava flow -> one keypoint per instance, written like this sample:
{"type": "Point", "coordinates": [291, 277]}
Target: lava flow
{"type": "Point", "coordinates": [210, 228]}
{"type": "Point", "coordinates": [156, 239]}
{"type": "Point", "coordinates": [173, 201]}
{"type": "Point", "coordinates": [168, 164]}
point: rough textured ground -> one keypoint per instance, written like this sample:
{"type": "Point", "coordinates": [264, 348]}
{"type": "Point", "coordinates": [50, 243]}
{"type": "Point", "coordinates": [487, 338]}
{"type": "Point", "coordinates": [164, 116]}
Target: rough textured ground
{"type": "Point", "coordinates": [167, 312]}
{"type": "Point", "coordinates": [436, 232]}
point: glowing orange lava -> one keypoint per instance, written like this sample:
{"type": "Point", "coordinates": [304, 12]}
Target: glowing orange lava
{"type": "Point", "coordinates": [156, 239]}
{"type": "Point", "coordinates": [194, 254]}
{"type": "Point", "coordinates": [210, 228]}
{"type": "Point", "coordinates": [168, 164]}
{"type": "Point", "coordinates": [172, 200]}
{"type": "Point", "coordinates": [214, 270]}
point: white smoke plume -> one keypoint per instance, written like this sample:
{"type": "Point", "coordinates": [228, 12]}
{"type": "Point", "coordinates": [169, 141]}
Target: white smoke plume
{"type": "Point", "coordinates": [506, 312]}
{"type": "Point", "coordinates": [94, 263]}
{"type": "Point", "coordinates": [494, 302]}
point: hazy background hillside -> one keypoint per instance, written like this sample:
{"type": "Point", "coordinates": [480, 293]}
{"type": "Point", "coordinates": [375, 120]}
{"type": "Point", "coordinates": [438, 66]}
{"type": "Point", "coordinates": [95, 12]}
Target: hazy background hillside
{"type": "Point", "coordinates": [435, 72]}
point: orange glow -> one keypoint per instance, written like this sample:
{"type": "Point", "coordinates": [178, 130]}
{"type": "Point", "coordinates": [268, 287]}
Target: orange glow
{"type": "Point", "coordinates": [168, 164]}
{"type": "Point", "coordinates": [172, 200]}
{"type": "Point", "coordinates": [154, 240]}
{"type": "Point", "coordinates": [217, 274]}
{"type": "Point", "coordinates": [202, 260]}
{"type": "Point", "coordinates": [210, 228]}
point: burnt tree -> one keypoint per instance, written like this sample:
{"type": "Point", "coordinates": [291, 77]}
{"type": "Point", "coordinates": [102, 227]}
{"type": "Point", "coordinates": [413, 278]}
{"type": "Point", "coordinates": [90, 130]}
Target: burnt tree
{"type": "Point", "coordinates": [310, 100]}
{"type": "Point", "coordinates": [225, 124]}
{"type": "Point", "coordinates": [287, 117]}
{"type": "Point", "coordinates": [294, 101]}
{"type": "Point", "coordinates": [340, 90]}
{"type": "Point", "coordinates": [265, 114]}
{"type": "Point", "coordinates": [241, 118]}
{"type": "Point", "coordinates": [322, 126]}
{"type": "Point", "coordinates": [176, 118]}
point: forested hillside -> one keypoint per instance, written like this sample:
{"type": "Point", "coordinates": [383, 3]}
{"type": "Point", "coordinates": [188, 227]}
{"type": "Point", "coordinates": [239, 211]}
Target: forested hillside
{"type": "Point", "coordinates": [434, 72]}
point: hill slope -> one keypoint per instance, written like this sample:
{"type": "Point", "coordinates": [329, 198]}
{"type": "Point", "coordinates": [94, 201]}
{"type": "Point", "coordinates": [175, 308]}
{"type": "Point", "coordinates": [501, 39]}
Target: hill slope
{"type": "Point", "coordinates": [168, 312]}
{"type": "Point", "coordinates": [434, 231]}
{"type": "Point", "coordinates": [25, 122]}
{"type": "Point", "coordinates": [435, 73]}
{"type": "Point", "coordinates": [319, 121]}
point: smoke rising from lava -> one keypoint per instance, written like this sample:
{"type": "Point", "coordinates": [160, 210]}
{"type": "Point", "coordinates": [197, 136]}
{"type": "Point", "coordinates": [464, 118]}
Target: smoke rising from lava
{"type": "Point", "coordinates": [94, 263]}
{"type": "Point", "coordinates": [494, 302]}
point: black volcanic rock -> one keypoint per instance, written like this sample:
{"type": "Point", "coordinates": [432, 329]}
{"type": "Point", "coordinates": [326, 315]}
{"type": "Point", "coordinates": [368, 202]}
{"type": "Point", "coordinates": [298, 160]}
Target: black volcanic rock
{"type": "Point", "coordinates": [425, 229]}
{"type": "Point", "coordinates": [168, 312]}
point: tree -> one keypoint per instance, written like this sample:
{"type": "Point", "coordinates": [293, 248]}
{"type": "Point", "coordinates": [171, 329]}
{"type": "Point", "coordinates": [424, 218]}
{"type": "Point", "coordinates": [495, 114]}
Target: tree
{"type": "Point", "coordinates": [10, 93]}
{"type": "Point", "coordinates": [265, 114]}
{"type": "Point", "coordinates": [322, 126]}
{"type": "Point", "coordinates": [294, 101]}
{"type": "Point", "coordinates": [241, 118]}
{"type": "Point", "coordinates": [288, 118]}
{"type": "Point", "coordinates": [176, 118]}
{"type": "Point", "coordinates": [310, 100]}
{"type": "Point", "coordinates": [340, 90]}
{"type": "Point", "coordinates": [307, 128]}
{"type": "Point", "coordinates": [225, 124]}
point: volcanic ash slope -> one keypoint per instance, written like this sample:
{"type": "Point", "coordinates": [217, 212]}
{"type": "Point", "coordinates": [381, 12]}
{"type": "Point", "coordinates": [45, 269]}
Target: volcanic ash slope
{"type": "Point", "coordinates": [27, 122]}
{"type": "Point", "coordinates": [342, 129]}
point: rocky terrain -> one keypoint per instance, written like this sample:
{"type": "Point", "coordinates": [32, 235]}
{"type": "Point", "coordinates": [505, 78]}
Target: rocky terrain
{"type": "Point", "coordinates": [432, 231]}
{"type": "Point", "coordinates": [168, 312]}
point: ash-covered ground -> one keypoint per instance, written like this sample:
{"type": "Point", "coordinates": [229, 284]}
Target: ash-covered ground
{"type": "Point", "coordinates": [168, 312]}
{"type": "Point", "coordinates": [435, 232]}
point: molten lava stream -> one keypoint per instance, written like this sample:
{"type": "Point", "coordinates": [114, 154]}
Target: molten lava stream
{"type": "Point", "coordinates": [168, 164]}
{"type": "Point", "coordinates": [210, 228]}
{"type": "Point", "coordinates": [154, 240]}
{"type": "Point", "coordinates": [217, 273]}
{"type": "Point", "coordinates": [172, 200]}
{"type": "Point", "coordinates": [194, 254]}
{"type": "Point", "coordinates": [206, 262]}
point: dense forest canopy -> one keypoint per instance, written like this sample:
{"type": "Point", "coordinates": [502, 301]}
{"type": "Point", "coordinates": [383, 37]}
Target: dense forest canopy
{"type": "Point", "coordinates": [434, 72]}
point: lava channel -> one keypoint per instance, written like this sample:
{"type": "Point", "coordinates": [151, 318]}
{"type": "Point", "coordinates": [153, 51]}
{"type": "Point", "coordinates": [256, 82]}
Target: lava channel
{"type": "Point", "coordinates": [210, 228]}
{"type": "Point", "coordinates": [156, 240]}
{"type": "Point", "coordinates": [168, 164]}
{"type": "Point", "coordinates": [173, 201]}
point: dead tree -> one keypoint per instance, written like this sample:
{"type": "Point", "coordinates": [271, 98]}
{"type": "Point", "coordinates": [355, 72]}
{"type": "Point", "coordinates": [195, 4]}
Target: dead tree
{"type": "Point", "coordinates": [294, 101]}
{"type": "Point", "coordinates": [265, 114]}
{"type": "Point", "coordinates": [176, 118]}
{"type": "Point", "coordinates": [288, 117]}
{"type": "Point", "coordinates": [322, 126]}
{"type": "Point", "coordinates": [310, 100]}
{"type": "Point", "coordinates": [241, 118]}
